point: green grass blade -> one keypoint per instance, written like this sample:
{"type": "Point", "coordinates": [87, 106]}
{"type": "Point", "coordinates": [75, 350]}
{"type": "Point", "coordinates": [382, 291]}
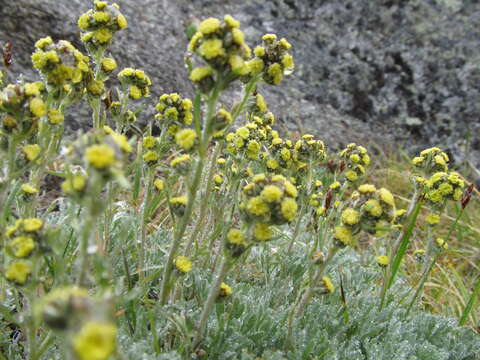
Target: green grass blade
{"type": "Point", "coordinates": [402, 249]}
{"type": "Point", "coordinates": [471, 302]}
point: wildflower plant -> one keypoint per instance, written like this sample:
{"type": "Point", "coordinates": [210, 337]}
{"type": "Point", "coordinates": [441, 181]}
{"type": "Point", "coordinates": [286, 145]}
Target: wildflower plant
{"type": "Point", "coordinates": [204, 231]}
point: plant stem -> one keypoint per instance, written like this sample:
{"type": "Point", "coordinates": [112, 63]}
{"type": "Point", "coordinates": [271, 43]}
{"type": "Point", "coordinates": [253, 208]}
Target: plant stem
{"type": "Point", "coordinates": [143, 232]}
{"type": "Point", "coordinates": [401, 244]}
{"type": "Point", "coordinates": [44, 345]}
{"type": "Point", "coordinates": [248, 91]}
{"type": "Point", "coordinates": [212, 296]}
{"type": "Point", "coordinates": [298, 306]}
{"type": "Point", "coordinates": [205, 201]}
{"type": "Point", "coordinates": [95, 104]}
{"type": "Point", "coordinates": [197, 176]}
{"type": "Point", "coordinates": [87, 230]}
{"type": "Point", "coordinates": [428, 269]}
{"type": "Point", "coordinates": [296, 230]}
{"type": "Point", "coordinates": [470, 304]}
{"type": "Point", "coordinates": [302, 209]}
{"type": "Point", "coordinates": [424, 278]}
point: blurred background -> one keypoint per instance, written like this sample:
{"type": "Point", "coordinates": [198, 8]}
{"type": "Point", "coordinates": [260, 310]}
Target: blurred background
{"type": "Point", "coordinates": [398, 73]}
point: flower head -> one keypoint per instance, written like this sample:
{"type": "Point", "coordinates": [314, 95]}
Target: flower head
{"type": "Point", "coordinates": [272, 59]}
{"type": "Point", "coordinates": [225, 290]}
{"type": "Point", "coordinates": [383, 260]}
{"type": "Point", "coordinates": [99, 24]}
{"type": "Point", "coordinates": [186, 138]}
{"type": "Point", "coordinates": [183, 264]}
{"type": "Point", "coordinates": [22, 246]}
{"type": "Point", "coordinates": [327, 285]}
{"type": "Point", "coordinates": [100, 156]}
{"type": "Point", "coordinates": [95, 341]}
{"type": "Point", "coordinates": [18, 272]}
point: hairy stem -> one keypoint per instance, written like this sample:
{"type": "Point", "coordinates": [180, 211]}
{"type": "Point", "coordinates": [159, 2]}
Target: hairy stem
{"type": "Point", "coordinates": [212, 296]}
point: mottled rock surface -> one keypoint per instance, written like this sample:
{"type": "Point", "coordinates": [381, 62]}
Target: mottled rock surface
{"type": "Point", "coordinates": [403, 72]}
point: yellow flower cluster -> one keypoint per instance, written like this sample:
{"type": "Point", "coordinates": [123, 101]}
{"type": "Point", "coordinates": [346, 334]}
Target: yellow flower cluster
{"type": "Point", "coordinates": [55, 116]}
{"type": "Point", "coordinates": [22, 105]}
{"type": "Point", "coordinates": [372, 211]}
{"type": "Point", "coordinates": [219, 179]}
{"type": "Point", "coordinates": [221, 44]}
{"type": "Point", "coordinates": [32, 152]}
{"type": "Point", "coordinates": [307, 149]}
{"type": "Point", "coordinates": [18, 272]}
{"type": "Point", "coordinates": [137, 82]}
{"type": "Point", "coordinates": [269, 200]}
{"type": "Point", "coordinates": [98, 25]}
{"type": "Point", "coordinates": [236, 242]}
{"type": "Point", "coordinates": [108, 65]}
{"type": "Point", "coordinates": [22, 239]}
{"type": "Point", "coordinates": [103, 152]}
{"type": "Point", "coordinates": [257, 106]}
{"type": "Point", "coordinates": [179, 204]}
{"type": "Point", "coordinates": [432, 160]}
{"type": "Point", "coordinates": [443, 186]}
{"type": "Point", "coordinates": [247, 140]}
{"type": "Point", "coordinates": [75, 184]}
{"type": "Point", "coordinates": [100, 156]}
{"type": "Point", "coordinates": [183, 264]}
{"type": "Point", "coordinates": [95, 341]}
{"type": "Point", "coordinates": [221, 121]}
{"type": "Point", "coordinates": [186, 139]}
{"type": "Point", "coordinates": [25, 227]}
{"type": "Point", "coordinates": [326, 286]}
{"type": "Point", "coordinates": [356, 158]}
{"type": "Point", "coordinates": [378, 210]}
{"type": "Point", "coordinates": [159, 184]}
{"type": "Point", "coordinates": [383, 260]}
{"type": "Point", "coordinates": [282, 152]}
{"type": "Point", "coordinates": [419, 254]}
{"type": "Point", "coordinates": [314, 199]}
{"type": "Point", "coordinates": [28, 189]}
{"type": "Point", "coordinates": [225, 290]}
{"type": "Point", "coordinates": [433, 219]}
{"type": "Point", "coordinates": [174, 113]}
{"type": "Point", "coordinates": [61, 64]}
{"type": "Point", "coordinates": [182, 163]}
{"type": "Point", "coordinates": [441, 244]}
{"type": "Point", "coordinates": [272, 59]}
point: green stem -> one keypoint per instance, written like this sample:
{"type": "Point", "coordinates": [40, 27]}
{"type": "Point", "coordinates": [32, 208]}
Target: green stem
{"type": "Point", "coordinates": [428, 269]}
{"type": "Point", "coordinates": [179, 231]}
{"type": "Point", "coordinates": [212, 296]}
{"type": "Point", "coordinates": [95, 104]}
{"type": "Point", "coordinates": [44, 345]}
{"type": "Point", "coordinates": [303, 209]}
{"type": "Point", "coordinates": [248, 91]}
{"type": "Point", "coordinates": [205, 201]}
{"type": "Point", "coordinates": [31, 330]}
{"type": "Point", "coordinates": [108, 217]}
{"type": "Point", "coordinates": [299, 306]}
{"type": "Point", "coordinates": [144, 219]}
{"type": "Point", "coordinates": [85, 239]}
{"type": "Point", "coordinates": [470, 304]}
{"type": "Point", "coordinates": [296, 230]}
{"type": "Point", "coordinates": [403, 241]}
{"type": "Point", "coordinates": [421, 284]}
{"type": "Point", "coordinates": [193, 189]}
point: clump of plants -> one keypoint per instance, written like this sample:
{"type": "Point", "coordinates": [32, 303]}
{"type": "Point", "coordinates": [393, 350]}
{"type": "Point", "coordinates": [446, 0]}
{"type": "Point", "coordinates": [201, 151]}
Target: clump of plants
{"type": "Point", "coordinates": [202, 232]}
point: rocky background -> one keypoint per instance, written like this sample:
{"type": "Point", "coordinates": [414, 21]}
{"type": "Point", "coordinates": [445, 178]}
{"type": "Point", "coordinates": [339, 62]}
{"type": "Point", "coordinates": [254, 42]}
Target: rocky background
{"type": "Point", "coordinates": [398, 72]}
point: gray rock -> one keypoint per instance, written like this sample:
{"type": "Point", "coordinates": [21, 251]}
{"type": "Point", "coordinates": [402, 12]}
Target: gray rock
{"type": "Point", "coordinates": [364, 68]}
